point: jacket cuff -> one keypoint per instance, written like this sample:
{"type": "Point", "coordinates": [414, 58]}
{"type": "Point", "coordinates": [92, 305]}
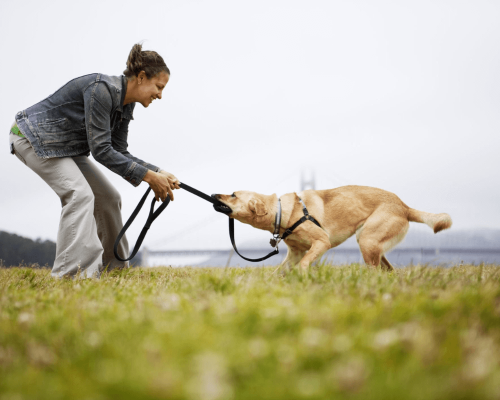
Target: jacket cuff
{"type": "Point", "coordinates": [152, 167]}
{"type": "Point", "coordinates": [135, 174]}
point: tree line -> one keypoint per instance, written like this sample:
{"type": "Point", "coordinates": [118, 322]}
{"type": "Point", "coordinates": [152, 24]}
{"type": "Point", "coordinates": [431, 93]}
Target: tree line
{"type": "Point", "coordinates": [16, 250]}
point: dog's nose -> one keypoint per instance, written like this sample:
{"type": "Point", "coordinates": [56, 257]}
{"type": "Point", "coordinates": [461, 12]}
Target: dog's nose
{"type": "Point", "coordinates": [215, 196]}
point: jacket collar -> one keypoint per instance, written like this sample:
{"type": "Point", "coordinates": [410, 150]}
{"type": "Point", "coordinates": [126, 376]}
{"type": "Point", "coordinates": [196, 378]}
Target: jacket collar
{"type": "Point", "coordinates": [128, 109]}
{"type": "Point", "coordinates": [123, 93]}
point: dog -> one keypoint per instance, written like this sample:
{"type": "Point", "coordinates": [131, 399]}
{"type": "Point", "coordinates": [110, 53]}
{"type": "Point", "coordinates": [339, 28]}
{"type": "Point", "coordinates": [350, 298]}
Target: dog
{"type": "Point", "coordinates": [379, 219]}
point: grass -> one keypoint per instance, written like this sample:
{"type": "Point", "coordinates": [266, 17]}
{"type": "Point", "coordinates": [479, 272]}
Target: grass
{"type": "Point", "coordinates": [246, 333]}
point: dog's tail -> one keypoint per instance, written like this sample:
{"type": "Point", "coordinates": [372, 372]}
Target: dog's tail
{"type": "Point", "coordinates": [437, 222]}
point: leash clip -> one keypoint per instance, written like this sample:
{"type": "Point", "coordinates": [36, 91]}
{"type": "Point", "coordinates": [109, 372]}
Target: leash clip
{"type": "Point", "coordinates": [275, 241]}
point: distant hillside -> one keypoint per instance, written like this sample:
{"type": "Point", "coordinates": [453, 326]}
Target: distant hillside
{"type": "Point", "coordinates": [15, 250]}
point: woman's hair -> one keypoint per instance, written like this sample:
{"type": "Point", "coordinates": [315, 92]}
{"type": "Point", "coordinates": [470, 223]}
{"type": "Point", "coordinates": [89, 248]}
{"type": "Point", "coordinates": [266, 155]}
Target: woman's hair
{"type": "Point", "coordinates": [148, 61]}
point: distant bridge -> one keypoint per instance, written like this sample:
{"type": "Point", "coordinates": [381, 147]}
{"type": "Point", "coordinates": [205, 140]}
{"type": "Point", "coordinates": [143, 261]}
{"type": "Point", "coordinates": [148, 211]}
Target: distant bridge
{"type": "Point", "coordinates": [399, 256]}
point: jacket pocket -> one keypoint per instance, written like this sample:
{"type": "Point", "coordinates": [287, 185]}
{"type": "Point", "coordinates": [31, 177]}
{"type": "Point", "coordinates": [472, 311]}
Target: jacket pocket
{"type": "Point", "coordinates": [54, 125]}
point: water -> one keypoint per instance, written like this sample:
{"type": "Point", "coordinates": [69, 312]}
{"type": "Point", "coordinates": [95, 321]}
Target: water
{"type": "Point", "coordinates": [398, 257]}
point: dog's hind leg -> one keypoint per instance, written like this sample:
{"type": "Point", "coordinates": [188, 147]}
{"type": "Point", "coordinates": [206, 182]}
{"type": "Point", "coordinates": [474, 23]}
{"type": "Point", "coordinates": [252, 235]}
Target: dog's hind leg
{"type": "Point", "coordinates": [371, 252]}
{"type": "Point", "coordinates": [383, 230]}
{"type": "Point", "coordinates": [385, 264]}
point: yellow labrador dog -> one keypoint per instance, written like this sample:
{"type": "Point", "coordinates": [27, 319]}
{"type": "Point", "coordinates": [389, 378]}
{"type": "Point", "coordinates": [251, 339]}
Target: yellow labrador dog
{"type": "Point", "coordinates": [379, 219]}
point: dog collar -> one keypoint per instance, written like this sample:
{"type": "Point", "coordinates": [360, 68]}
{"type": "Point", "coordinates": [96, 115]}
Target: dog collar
{"type": "Point", "coordinates": [277, 220]}
{"type": "Point", "coordinates": [277, 225]}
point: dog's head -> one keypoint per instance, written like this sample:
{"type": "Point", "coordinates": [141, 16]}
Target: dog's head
{"type": "Point", "coordinates": [247, 207]}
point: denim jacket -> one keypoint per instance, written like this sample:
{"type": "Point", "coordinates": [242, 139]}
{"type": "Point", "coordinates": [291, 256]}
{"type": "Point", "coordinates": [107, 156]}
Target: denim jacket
{"type": "Point", "coordinates": [86, 115]}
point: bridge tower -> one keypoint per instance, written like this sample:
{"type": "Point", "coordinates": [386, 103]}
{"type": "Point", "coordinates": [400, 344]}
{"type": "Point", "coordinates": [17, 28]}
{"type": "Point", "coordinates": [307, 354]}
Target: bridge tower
{"type": "Point", "coordinates": [307, 180]}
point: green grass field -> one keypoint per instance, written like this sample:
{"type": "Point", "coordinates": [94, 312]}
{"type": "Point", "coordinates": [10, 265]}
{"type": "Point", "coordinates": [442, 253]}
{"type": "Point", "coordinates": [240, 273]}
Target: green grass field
{"type": "Point", "coordinates": [246, 333]}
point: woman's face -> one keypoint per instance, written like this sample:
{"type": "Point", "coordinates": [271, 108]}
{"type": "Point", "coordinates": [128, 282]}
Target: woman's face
{"type": "Point", "coordinates": [150, 89]}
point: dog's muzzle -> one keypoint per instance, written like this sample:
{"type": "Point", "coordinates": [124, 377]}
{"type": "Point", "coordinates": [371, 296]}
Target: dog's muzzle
{"type": "Point", "coordinates": [220, 207]}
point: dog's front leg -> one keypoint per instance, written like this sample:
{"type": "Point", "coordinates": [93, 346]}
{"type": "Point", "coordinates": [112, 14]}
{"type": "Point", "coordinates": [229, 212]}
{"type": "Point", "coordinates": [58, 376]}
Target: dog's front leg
{"type": "Point", "coordinates": [318, 247]}
{"type": "Point", "coordinates": [294, 255]}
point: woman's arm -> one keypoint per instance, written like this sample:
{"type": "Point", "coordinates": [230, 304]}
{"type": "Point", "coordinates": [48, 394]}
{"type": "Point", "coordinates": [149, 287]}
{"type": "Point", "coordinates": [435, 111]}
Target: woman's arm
{"type": "Point", "coordinates": [98, 106]}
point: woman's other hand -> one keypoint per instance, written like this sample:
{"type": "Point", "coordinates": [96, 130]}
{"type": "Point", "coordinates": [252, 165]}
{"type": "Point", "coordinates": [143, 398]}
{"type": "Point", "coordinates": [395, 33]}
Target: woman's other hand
{"type": "Point", "coordinates": [172, 179]}
{"type": "Point", "coordinates": [162, 184]}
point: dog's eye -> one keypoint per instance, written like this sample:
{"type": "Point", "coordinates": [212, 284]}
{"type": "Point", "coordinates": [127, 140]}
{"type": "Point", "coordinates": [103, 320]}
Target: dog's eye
{"type": "Point", "coordinates": [233, 195]}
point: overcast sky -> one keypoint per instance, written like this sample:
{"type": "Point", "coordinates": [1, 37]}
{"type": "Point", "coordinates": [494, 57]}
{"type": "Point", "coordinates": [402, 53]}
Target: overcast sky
{"type": "Point", "coordinates": [404, 96]}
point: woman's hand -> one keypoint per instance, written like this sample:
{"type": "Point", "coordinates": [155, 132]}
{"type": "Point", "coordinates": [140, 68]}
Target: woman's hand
{"type": "Point", "coordinates": [162, 184]}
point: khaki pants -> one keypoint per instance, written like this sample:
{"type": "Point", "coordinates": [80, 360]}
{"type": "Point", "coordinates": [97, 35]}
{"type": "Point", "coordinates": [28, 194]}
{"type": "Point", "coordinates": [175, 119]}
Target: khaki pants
{"type": "Point", "coordinates": [91, 212]}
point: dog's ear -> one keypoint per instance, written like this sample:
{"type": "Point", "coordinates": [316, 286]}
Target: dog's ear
{"type": "Point", "coordinates": [257, 207]}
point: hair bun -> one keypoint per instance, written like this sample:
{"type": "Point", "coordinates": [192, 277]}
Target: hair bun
{"type": "Point", "coordinates": [148, 61]}
{"type": "Point", "coordinates": [134, 62]}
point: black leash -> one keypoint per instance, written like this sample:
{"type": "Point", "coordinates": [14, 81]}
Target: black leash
{"type": "Point", "coordinates": [231, 236]}
{"type": "Point", "coordinates": [151, 217]}
{"type": "Point", "coordinates": [154, 214]}
{"type": "Point", "coordinates": [276, 236]}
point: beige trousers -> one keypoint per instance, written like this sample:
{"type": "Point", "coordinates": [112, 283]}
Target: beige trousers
{"type": "Point", "coordinates": [91, 212]}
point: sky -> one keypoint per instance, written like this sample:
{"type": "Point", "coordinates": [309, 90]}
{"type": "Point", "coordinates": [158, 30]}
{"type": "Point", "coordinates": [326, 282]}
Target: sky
{"type": "Point", "coordinates": [404, 96]}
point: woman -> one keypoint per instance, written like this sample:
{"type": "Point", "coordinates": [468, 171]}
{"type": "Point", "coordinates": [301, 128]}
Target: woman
{"type": "Point", "coordinates": [91, 114]}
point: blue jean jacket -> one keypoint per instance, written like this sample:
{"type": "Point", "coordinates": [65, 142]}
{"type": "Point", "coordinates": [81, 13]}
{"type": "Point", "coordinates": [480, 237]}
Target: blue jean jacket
{"type": "Point", "coordinates": [85, 116]}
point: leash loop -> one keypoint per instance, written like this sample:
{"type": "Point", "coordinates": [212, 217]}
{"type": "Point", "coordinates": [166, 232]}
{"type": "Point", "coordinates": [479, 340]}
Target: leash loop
{"type": "Point", "coordinates": [151, 217]}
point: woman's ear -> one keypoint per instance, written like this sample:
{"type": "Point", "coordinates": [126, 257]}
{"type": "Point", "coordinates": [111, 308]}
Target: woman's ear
{"type": "Point", "coordinates": [141, 77]}
{"type": "Point", "coordinates": [257, 207]}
